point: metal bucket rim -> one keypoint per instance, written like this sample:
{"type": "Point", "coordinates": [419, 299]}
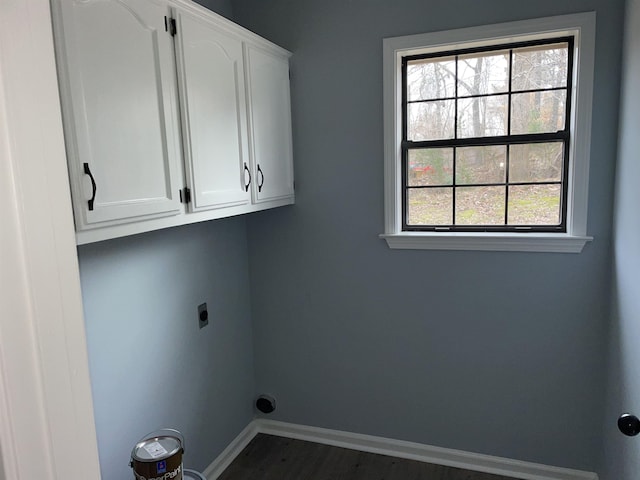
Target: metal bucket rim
{"type": "Point", "coordinates": [134, 457]}
{"type": "Point", "coordinates": [192, 474]}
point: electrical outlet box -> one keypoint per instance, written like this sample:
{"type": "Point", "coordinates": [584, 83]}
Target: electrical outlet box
{"type": "Point", "coordinates": [203, 315]}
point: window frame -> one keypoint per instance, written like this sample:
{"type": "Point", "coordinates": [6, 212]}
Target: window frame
{"type": "Point", "coordinates": [579, 26]}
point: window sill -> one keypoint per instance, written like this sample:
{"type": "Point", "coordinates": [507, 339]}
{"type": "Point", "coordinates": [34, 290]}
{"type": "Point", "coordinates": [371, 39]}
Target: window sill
{"type": "Point", "coordinates": [502, 242]}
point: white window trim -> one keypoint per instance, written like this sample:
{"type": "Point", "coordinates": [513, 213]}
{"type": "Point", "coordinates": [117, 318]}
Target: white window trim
{"type": "Point", "coordinates": [582, 26]}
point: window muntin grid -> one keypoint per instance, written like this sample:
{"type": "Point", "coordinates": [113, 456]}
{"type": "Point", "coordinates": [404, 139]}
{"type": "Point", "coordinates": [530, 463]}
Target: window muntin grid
{"type": "Point", "coordinates": [436, 157]}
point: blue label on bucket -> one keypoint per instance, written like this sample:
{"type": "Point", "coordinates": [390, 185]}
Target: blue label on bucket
{"type": "Point", "coordinates": [161, 467]}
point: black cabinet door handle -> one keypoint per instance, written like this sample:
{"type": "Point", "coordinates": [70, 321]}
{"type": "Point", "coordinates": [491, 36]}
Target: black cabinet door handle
{"type": "Point", "coordinates": [246, 169]}
{"type": "Point", "coordinates": [261, 178]}
{"type": "Point", "coordinates": [87, 171]}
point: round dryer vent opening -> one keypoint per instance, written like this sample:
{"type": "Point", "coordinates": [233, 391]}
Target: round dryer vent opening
{"type": "Point", "coordinates": [266, 403]}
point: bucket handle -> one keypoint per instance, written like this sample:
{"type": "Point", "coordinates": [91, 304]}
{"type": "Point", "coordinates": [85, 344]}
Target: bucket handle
{"type": "Point", "coordinates": [161, 431]}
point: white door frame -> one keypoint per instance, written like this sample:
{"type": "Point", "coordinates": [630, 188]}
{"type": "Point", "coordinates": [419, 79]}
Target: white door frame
{"type": "Point", "coordinates": [47, 429]}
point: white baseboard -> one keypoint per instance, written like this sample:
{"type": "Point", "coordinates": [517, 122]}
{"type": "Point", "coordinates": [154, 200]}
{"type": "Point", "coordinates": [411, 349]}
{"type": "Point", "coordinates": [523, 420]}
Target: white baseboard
{"type": "Point", "coordinates": [228, 455]}
{"type": "Point", "coordinates": [396, 448]}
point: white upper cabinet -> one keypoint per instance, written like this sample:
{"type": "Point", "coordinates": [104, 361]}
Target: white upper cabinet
{"type": "Point", "coordinates": [270, 123]}
{"type": "Point", "coordinates": [212, 94]}
{"type": "Point", "coordinates": [172, 115]}
{"type": "Point", "coordinates": [117, 75]}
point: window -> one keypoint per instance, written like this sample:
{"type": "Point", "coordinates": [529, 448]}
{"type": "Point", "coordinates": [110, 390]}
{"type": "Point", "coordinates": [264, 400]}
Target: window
{"type": "Point", "coordinates": [487, 134]}
{"type": "Point", "coordinates": [486, 138]}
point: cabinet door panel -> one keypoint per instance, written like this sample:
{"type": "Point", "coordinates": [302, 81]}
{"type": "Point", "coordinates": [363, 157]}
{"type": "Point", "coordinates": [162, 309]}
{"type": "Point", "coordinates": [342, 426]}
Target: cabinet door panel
{"type": "Point", "coordinates": [121, 108]}
{"type": "Point", "coordinates": [214, 114]}
{"type": "Point", "coordinates": [270, 118]}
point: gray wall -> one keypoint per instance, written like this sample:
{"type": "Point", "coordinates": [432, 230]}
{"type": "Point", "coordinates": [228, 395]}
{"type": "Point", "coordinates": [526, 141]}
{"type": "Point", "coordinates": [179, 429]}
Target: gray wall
{"type": "Point", "coordinates": [622, 454]}
{"type": "Point", "coordinates": [150, 364]}
{"type": "Point", "coordinates": [498, 353]}
{"type": "Point", "coordinates": [222, 7]}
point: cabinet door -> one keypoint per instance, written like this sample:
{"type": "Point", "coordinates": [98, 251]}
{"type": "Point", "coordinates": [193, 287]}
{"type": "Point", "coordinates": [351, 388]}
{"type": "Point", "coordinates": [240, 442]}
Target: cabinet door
{"type": "Point", "coordinates": [119, 97]}
{"type": "Point", "coordinates": [270, 124]}
{"type": "Point", "coordinates": [211, 77]}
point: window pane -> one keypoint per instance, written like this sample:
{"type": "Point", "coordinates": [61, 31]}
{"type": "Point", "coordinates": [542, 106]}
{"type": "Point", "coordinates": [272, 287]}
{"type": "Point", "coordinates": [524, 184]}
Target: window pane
{"type": "Point", "coordinates": [534, 205]}
{"type": "Point", "coordinates": [482, 117]}
{"type": "Point", "coordinates": [538, 112]}
{"type": "Point", "coordinates": [480, 205]}
{"type": "Point", "coordinates": [430, 166]}
{"type": "Point", "coordinates": [431, 79]}
{"type": "Point", "coordinates": [536, 162]}
{"type": "Point", "coordinates": [430, 120]}
{"type": "Point", "coordinates": [430, 206]}
{"type": "Point", "coordinates": [483, 73]}
{"type": "Point", "coordinates": [540, 67]}
{"type": "Point", "coordinates": [481, 164]}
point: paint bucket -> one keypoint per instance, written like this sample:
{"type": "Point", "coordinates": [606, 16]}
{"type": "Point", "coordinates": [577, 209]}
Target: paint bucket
{"type": "Point", "coordinates": [158, 456]}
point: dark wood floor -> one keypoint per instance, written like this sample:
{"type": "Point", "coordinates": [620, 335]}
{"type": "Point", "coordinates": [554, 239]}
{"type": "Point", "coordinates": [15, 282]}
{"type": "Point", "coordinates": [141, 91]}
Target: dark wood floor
{"type": "Point", "coordinates": [276, 458]}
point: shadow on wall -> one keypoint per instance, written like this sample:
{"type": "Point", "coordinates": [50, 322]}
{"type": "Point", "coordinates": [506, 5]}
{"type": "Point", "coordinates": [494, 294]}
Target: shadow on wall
{"type": "Point", "coordinates": [151, 365]}
{"type": "Point", "coordinates": [621, 454]}
{"type": "Point", "coordinates": [621, 459]}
